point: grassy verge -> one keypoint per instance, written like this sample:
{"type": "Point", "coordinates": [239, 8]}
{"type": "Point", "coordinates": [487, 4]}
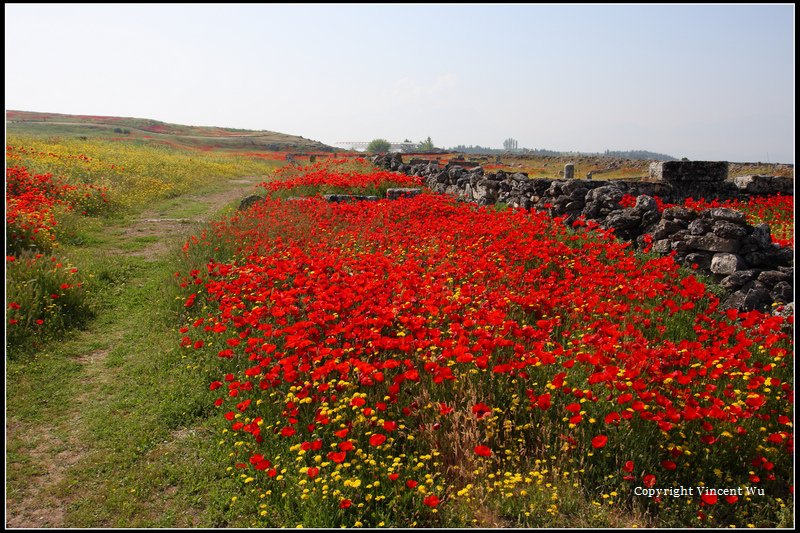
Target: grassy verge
{"type": "Point", "coordinates": [107, 427]}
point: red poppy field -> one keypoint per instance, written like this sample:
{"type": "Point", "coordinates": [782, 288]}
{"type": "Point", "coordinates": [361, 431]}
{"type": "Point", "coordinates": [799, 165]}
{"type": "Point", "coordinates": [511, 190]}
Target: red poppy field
{"type": "Point", "coordinates": [45, 297]}
{"type": "Point", "coordinates": [424, 362]}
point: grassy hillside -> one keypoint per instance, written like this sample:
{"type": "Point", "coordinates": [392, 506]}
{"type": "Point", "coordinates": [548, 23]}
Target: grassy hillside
{"type": "Point", "coordinates": [152, 131]}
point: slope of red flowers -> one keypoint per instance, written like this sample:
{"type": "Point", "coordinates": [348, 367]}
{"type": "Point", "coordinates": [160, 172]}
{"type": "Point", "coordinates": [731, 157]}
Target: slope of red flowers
{"type": "Point", "coordinates": [30, 204]}
{"type": "Point", "coordinates": [327, 176]}
{"type": "Point", "coordinates": [362, 345]}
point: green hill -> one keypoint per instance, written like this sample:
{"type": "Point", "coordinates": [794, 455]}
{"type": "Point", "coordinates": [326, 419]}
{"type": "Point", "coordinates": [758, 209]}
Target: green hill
{"type": "Point", "coordinates": [154, 131]}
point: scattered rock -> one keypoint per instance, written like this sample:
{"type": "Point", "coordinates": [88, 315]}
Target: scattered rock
{"type": "Point", "coordinates": [394, 194]}
{"type": "Point", "coordinates": [729, 230]}
{"type": "Point", "coordinates": [725, 264]}
{"type": "Point", "coordinates": [712, 243]}
{"type": "Point", "coordinates": [771, 277]}
{"type": "Point", "coordinates": [738, 279]}
{"type": "Point", "coordinates": [338, 198]}
{"type": "Point", "coordinates": [757, 184]}
{"type": "Point", "coordinates": [249, 201]}
{"type": "Point", "coordinates": [782, 292]}
{"type": "Point", "coordinates": [701, 226]}
{"type": "Point", "coordinates": [724, 213]}
{"type": "Point", "coordinates": [689, 171]}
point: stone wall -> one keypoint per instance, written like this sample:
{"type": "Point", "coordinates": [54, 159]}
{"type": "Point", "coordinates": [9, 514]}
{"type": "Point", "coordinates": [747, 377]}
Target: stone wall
{"type": "Point", "coordinates": [742, 258]}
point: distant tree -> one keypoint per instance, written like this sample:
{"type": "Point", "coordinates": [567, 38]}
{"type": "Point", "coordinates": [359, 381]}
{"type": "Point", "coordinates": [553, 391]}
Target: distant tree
{"type": "Point", "coordinates": [426, 145]}
{"type": "Point", "coordinates": [510, 144]}
{"type": "Point", "coordinates": [379, 146]}
{"type": "Point", "coordinates": [408, 146]}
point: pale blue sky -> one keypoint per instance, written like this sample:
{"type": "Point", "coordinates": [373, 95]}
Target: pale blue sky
{"type": "Point", "coordinates": [704, 82]}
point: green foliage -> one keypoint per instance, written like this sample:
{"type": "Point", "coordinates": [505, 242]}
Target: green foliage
{"type": "Point", "coordinates": [45, 298]}
{"type": "Point", "coordinates": [379, 146]}
{"type": "Point", "coordinates": [426, 145]}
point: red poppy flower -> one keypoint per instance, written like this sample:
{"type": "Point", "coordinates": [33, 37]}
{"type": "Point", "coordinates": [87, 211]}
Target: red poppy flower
{"type": "Point", "coordinates": [599, 441]}
{"type": "Point", "coordinates": [431, 500]}
{"type": "Point", "coordinates": [709, 499]}
{"type": "Point", "coordinates": [337, 457]}
{"type": "Point", "coordinates": [483, 451]}
{"type": "Point", "coordinates": [624, 398]}
{"type": "Point", "coordinates": [669, 465]}
{"type": "Point", "coordinates": [775, 438]}
{"type": "Point", "coordinates": [480, 410]}
{"type": "Point", "coordinates": [543, 402]}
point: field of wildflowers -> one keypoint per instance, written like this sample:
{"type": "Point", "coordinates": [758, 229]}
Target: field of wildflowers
{"type": "Point", "coordinates": [44, 297]}
{"type": "Point", "coordinates": [424, 362]}
{"type": "Point", "coordinates": [132, 175]}
{"type": "Point", "coordinates": [336, 176]}
{"type": "Point", "coordinates": [53, 188]}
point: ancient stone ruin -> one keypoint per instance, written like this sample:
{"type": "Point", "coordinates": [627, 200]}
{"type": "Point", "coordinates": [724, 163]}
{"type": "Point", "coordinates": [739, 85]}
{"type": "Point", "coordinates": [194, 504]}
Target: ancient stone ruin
{"type": "Point", "coordinates": [569, 171]}
{"type": "Point", "coordinates": [740, 257]}
{"type": "Point", "coordinates": [391, 194]}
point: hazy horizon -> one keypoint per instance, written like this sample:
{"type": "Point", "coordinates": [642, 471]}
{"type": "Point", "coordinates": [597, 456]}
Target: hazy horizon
{"type": "Point", "coordinates": [710, 82]}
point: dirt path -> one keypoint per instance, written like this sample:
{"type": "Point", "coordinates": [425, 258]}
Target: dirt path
{"type": "Point", "coordinates": [44, 453]}
{"type": "Point", "coordinates": [158, 223]}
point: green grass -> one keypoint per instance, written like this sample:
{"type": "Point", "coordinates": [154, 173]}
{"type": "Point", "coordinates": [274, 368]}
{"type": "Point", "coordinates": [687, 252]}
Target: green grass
{"type": "Point", "coordinates": [122, 393]}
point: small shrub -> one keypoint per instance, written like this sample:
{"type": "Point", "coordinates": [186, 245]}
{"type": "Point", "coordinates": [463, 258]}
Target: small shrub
{"type": "Point", "coordinates": [45, 298]}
